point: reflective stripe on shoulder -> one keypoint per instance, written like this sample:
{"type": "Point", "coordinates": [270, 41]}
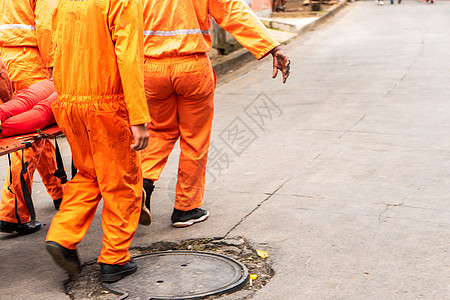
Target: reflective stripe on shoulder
{"type": "Point", "coordinates": [17, 26]}
{"type": "Point", "coordinates": [175, 32]}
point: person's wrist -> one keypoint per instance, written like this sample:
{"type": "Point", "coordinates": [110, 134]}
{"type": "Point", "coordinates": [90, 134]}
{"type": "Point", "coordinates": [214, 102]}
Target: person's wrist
{"type": "Point", "coordinates": [275, 50]}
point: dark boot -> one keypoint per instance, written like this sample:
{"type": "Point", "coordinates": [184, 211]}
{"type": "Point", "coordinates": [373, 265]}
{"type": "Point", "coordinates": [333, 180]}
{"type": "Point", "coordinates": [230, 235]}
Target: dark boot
{"type": "Point", "coordinates": [22, 229]}
{"type": "Point", "coordinates": [147, 189]}
{"type": "Point", "coordinates": [113, 273]}
{"type": "Point", "coordinates": [65, 258]}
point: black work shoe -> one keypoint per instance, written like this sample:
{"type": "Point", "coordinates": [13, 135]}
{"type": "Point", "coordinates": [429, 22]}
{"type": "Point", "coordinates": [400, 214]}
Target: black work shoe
{"type": "Point", "coordinates": [22, 229]}
{"type": "Point", "coordinates": [147, 189]}
{"type": "Point", "coordinates": [65, 258]}
{"type": "Point", "coordinates": [113, 273]}
{"type": "Point", "coordinates": [187, 218]}
{"type": "Point", "coordinates": [57, 203]}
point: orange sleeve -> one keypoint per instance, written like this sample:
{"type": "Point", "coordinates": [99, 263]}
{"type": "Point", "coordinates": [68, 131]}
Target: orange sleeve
{"type": "Point", "coordinates": [43, 22]}
{"type": "Point", "coordinates": [239, 20]}
{"type": "Point", "coordinates": [126, 21]}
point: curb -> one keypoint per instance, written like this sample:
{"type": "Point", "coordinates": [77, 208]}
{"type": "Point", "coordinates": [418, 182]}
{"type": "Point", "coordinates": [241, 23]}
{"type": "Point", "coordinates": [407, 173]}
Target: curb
{"type": "Point", "coordinates": [323, 18]}
{"type": "Point", "coordinates": [238, 58]}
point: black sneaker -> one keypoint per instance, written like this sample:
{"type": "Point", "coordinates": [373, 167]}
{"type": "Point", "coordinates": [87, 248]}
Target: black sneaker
{"type": "Point", "coordinates": [147, 189]}
{"type": "Point", "coordinates": [65, 258]}
{"type": "Point", "coordinates": [22, 229]}
{"type": "Point", "coordinates": [113, 273]}
{"type": "Point", "coordinates": [187, 218]}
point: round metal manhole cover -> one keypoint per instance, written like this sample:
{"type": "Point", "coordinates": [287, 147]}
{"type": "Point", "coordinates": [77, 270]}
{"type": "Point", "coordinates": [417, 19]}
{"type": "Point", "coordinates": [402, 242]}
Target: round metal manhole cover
{"type": "Point", "coordinates": [181, 275]}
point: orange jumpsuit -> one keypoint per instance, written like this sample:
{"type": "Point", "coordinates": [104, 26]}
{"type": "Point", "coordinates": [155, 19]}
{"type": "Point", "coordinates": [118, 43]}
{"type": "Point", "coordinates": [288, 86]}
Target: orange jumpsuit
{"type": "Point", "coordinates": [98, 75]}
{"type": "Point", "coordinates": [27, 51]}
{"type": "Point", "coordinates": [180, 83]}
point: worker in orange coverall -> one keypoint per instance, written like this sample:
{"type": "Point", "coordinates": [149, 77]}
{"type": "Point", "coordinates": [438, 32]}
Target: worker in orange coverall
{"type": "Point", "coordinates": [101, 108]}
{"type": "Point", "coordinates": [180, 83]}
{"type": "Point", "coordinates": [27, 51]}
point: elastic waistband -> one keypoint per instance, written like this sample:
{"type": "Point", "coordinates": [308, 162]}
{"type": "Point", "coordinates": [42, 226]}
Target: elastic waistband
{"type": "Point", "coordinates": [175, 59]}
{"type": "Point", "coordinates": [84, 99]}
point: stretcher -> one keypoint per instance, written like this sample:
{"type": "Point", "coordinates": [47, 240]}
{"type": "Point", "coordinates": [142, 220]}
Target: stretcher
{"type": "Point", "coordinates": [16, 143]}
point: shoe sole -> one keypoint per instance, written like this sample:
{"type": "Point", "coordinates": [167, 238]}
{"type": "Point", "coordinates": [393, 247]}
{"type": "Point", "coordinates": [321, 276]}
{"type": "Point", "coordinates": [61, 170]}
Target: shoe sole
{"type": "Point", "coordinates": [117, 276]}
{"type": "Point", "coordinates": [145, 218]}
{"type": "Point", "coordinates": [190, 222]}
{"type": "Point", "coordinates": [59, 258]}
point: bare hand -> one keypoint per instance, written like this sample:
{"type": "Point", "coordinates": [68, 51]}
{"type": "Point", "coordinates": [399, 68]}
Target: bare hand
{"type": "Point", "coordinates": [280, 62]}
{"type": "Point", "coordinates": [140, 134]}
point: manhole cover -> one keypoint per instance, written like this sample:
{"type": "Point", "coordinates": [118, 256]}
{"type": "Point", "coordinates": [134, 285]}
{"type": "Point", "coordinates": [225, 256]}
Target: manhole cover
{"type": "Point", "coordinates": [181, 275]}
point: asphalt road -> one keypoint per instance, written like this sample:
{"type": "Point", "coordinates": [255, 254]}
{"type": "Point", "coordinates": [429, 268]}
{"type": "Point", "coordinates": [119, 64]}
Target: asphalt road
{"type": "Point", "coordinates": [341, 174]}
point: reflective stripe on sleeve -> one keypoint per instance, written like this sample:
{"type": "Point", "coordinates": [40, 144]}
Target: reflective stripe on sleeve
{"type": "Point", "coordinates": [17, 26]}
{"type": "Point", "coordinates": [175, 32]}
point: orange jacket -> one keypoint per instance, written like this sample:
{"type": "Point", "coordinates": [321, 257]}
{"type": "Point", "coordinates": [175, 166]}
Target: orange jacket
{"type": "Point", "coordinates": [28, 23]}
{"type": "Point", "coordinates": [101, 63]}
{"type": "Point", "coordinates": [181, 27]}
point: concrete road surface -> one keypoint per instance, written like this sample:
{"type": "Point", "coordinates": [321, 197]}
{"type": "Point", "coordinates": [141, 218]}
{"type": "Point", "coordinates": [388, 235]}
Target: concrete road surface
{"type": "Point", "coordinates": [342, 174]}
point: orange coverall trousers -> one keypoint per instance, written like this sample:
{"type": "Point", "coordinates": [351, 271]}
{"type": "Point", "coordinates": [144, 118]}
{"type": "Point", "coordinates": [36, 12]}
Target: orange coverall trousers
{"type": "Point", "coordinates": [180, 96]}
{"type": "Point", "coordinates": [26, 67]}
{"type": "Point", "coordinates": [99, 137]}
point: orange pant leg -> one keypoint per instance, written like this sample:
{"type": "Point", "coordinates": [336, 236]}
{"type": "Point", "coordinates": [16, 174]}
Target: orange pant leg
{"type": "Point", "coordinates": [188, 116]}
{"type": "Point", "coordinates": [76, 212]}
{"type": "Point", "coordinates": [12, 191]}
{"type": "Point", "coordinates": [195, 84]}
{"type": "Point", "coordinates": [163, 128]}
{"type": "Point", "coordinates": [26, 67]}
{"type": "Point", "coordinates": [100, 142]}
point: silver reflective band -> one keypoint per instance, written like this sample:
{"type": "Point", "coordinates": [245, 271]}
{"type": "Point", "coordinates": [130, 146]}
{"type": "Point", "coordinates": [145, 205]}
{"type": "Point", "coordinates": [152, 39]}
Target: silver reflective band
{"type": "Point", "coordinates": [17, 26]}
{"type": "Point", "coordinates": [175, 32]}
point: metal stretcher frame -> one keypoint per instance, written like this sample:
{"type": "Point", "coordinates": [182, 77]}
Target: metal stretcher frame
{"type": "Point", "coordinates": [16, 143]}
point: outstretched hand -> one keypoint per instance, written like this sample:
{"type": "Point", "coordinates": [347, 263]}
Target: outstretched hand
{"type": "Point", "coordinates": [141, 135]}
{"type": "Point", "coordinates": [280, 62]}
